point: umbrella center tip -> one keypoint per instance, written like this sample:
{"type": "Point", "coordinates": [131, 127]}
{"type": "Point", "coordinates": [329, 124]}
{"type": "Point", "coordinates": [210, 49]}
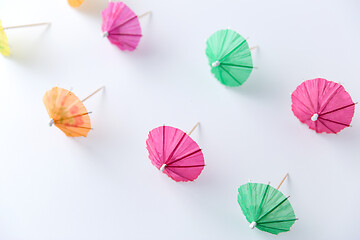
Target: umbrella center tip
{"type": "Point", "coordinates": [215, 64]}
{"type": "Point", "coordinates": [163, 167]}
{"type": "Point", "coordinates": [105, 34]}
{"type": "Point", "coordinates": [314, 117]}
{"type": "Point", "coordinates": [51, 122]}
{"type": "Point", "coordinates": [252, 225]}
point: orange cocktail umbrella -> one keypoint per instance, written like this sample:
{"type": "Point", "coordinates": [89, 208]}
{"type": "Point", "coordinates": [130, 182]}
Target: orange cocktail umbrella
{"type": "Point", "coordinates": [67, 111]}
{"type": "Point", "coordinates": [75, 3]}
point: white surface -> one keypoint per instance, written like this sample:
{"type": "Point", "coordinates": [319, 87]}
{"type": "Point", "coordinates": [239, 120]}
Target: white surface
{"type": "Point", "coordinates": [104, 186]}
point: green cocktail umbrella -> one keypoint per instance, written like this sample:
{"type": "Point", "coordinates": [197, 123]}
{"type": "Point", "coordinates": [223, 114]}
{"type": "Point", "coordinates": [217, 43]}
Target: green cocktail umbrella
{"type": "Point", "coordinates": [229, 57]}
{"type": "Point", "coordinates": [266, 208]}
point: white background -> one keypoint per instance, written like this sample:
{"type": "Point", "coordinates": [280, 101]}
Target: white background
{"type": "Point", "coordinates": [104, 187]}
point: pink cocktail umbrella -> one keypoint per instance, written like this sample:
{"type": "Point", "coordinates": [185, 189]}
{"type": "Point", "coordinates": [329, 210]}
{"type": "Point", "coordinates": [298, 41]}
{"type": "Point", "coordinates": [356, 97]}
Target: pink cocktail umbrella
{"type": "Point", "coordinates": [121, 26]}
{"type": "Point", "coordinates": [173, 152]}
{"type": "Point", "coordinates": [323, 105]}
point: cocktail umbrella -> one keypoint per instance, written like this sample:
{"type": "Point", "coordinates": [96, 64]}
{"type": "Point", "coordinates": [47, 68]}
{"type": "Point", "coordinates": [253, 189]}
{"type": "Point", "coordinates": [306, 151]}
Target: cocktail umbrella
{"type": "Point", "coordinates": [75, 3]}
{"type": "Point", "coordinates": [67, 111]}
{"type": "Point", "coordinates": [4, 45]}
{"type": "Point", "coordinates": [173, 152]}
{"type": "Point", "coordinates": [323, 105]}
{"type": "Point", "coordinates": [266, 208]}
{"type": "Point", "coordinates": [121, 26]}
{"type": "Point", "coordinates": [229, 57]}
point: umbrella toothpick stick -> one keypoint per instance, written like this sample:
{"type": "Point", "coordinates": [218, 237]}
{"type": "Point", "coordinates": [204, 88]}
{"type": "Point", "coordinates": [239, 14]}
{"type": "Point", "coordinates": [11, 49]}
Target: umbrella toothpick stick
{"type": "Point", "coordinates": [27, 25]}
{"type": "Point", "coordinates": [254, 47]}
{"type": "Point", "coordinates": [144, 14]}
{"type": "Point", "coordinates": [197, 124]}
{"type": "Point", "coordinates": [92, 94]}
{"type": "Point", "coordinates": [282, 181]}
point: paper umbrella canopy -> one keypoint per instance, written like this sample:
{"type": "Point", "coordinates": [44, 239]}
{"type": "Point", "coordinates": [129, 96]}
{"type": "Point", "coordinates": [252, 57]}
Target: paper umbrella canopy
{"type": "Point", "coordinates": [266, 208]}
{"type": "Point", "coordinates": [174, 153]}
{"type": "Point", "coordinates": [67, 112]}
{"type": "Point", "coordinates": [229, 57]}
{"type": "Point", "coordinates": [323, 105]}
{"type": "Point", "coordinates": [121, 26]}
{"type": "Point", "coordinates": [75, 3]}
{"type": "Point", "coordinates": [4, 44]}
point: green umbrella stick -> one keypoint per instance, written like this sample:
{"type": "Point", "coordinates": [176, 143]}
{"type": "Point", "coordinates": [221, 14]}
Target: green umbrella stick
{"type": "Point", "coordinates": [287, 174]}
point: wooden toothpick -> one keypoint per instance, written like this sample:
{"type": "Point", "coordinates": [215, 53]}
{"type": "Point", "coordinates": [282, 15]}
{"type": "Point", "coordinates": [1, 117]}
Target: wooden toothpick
{"type": "Point", "coordinates": [27, 25]}
{"type": "Point", "coordinates": [144, 14]}
{"type": "Point", "coordinates": [92, 94]}
{"type": "Point", "coordinates": [282, 181]}
{"type": "Point", "coordinates": [197, 124]}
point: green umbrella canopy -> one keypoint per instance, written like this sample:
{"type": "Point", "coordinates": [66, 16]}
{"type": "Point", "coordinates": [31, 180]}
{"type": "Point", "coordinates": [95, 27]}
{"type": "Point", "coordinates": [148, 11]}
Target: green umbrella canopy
{"type": "Point", "coordinates": [229, 57]}
{"type": "Point", "coordinates": [266, 208]}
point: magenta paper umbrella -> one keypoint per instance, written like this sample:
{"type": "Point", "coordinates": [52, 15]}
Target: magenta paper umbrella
{"type": "Point", "coordinates": [121, 26]}
{"type": "Point", "coordinates": [173, 152]}
{"type": "Point", "coordinates": [323, 105]}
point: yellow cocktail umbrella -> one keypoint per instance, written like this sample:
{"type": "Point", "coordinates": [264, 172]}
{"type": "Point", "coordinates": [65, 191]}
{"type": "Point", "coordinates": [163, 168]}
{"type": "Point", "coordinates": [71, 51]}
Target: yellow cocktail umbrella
{"type": "Point", "coordinates": [4, 44]}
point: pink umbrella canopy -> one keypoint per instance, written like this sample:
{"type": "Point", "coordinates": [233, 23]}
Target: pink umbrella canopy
{"type": "Point", "coordinates": [174, 153]}
{"type": "Point", "coordinates": [121, 26]}
{"type": "Point", "coordinates": [323, 105]}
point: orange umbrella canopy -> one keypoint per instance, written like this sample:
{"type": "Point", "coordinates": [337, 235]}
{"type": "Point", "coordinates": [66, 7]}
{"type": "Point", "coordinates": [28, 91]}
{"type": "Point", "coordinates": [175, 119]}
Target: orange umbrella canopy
{"type": "Point", "coordinates": [75, 3]}
{"type": "Point", "coordinates": [67, 112]}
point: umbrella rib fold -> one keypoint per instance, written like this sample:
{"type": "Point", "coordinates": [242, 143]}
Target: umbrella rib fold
{"type": "Point", "coordinates": [329, 98]}
{"type": "Point", "coordinates": [127, 34]}
{"type": "Point", "coordinates": [280, 229]}
{"type": "Point", "coordinates": [262, 201]}
{"type": "Point", "coordinates": [149, 148]}
{"type": "Point", "coordinates": [190, 166]}
{"type": "Point", "coordinates": [337, 109]}
{"type": "Point", "coordinates": [73, 126]}
{"type": "Point", "coordinates": [57, 102]}
{"type": "Point", "coordinates": [277, 221]}
{"type": "Point", "coordinates": [302, 104]}
{"type": "Point", "coordinates": [125, 44]}
{"type": "Point", "coordinates": [151, 151]}
{"type": "Point", "coordinates": [319, 119]}
{"type": "Point", "coordinates": [251, 200]}
{"type": "Point", "coordinates": [179, 174]}
{"type": "Point", "coordinates": [223, 41]}
{"type": "Point", "coordinates": [128, 20]}
{"type": "Point", "coordinates": [64, 128]}
{"type": "Point", "coordinates": [163, 148]}
{"type": "Point", "coordinates": [74, 116]}
{"type": "Point", "coordinates": [268, 212]}
{"type": "Point", "coordinates": [340, 123]}
{"type": "Point", "coordinates": [235, 65]}
{"type": "Point", "coordinates": [233, 50]}
{"type": "Point", "coordinates": [176, 147]}
{"type": "Point", "coordinates": [181, 158]}
{"type": "Point", "coordinates": [308, 95]}
{"type": "Point", "coordinates": [230, 74]}
{"type": "Point", "coordinates": [220, 76]}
